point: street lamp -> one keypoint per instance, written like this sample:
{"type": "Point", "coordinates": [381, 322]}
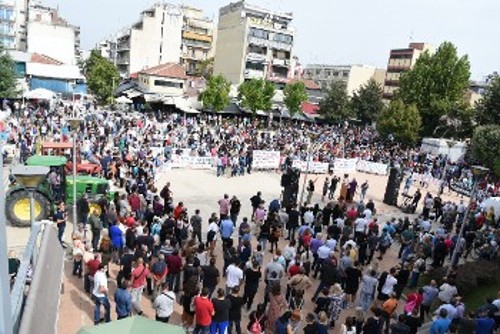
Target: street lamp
{"type": "Point", "coordinates": [312, 149]}
{"type": "Point", "coordinates": [75, 124]}
{"type": "Point", "coordinates": [478, 173]}
{"type": "Point", "coordinates": [30, 177]}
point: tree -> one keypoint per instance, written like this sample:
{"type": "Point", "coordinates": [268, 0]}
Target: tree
{"type": "Point", "coordinates": [8, 83]}
{"type": "Point", "coordinates": [216, 94]}
{"type": "Point", "coordinates": [335, 105]}
{"type": "Point", "coordinates": [488, 108]}
{"type": "Point", "coordinates": [256, 95]}
{"type": "Point", "coordinates": [206, 68]}
{"type": "Point", "coordinates": [436, 85]}
{"type": "Point", "coordinates": [367, 103]}
{"type": "Point", "coordinates": [400, 121]}
{"type": "Point", "coordinates": [295, 94]}
{"type": "Point", "coordinates": [102, 76]}
{"type": "Point", "coordinates": [485, 146]}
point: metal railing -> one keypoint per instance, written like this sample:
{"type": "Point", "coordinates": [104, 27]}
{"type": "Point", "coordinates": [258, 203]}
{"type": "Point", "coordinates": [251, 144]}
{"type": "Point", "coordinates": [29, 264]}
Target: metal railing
{"type": "Point", "coordinates": [28, 263]}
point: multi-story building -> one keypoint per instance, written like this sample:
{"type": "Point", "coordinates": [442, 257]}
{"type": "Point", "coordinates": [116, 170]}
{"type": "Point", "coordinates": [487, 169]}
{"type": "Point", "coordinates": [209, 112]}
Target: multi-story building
{"type": "Point", "coordinates": [108, 49]}
{"type": "Point", "coordinates": [197, 39]}
{"type": "Point", "coordinates": [51, 35]}
{"type": "Point", "coordinates": [354, 76]}
{"type": "Point", "coordinates": [164, 34]}
{"type": "Point", "coordinates": [401, 60]}
{"type": "Point", "coordinates": [13, 24]}
{"type": "Point", "coordinates": [253, 43]}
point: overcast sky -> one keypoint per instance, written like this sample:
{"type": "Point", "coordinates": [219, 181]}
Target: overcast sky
{"type": "Point", "coordinates": [335, 31]}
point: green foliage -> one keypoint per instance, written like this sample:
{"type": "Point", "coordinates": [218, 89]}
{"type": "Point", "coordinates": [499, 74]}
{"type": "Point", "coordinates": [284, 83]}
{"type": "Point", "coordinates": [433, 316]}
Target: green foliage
{"type": "Point", "coordinates": [216, 94]}
{"type": "Point", "coordinates": [256, 95]}
{"type": "Point", "coordinates": [367, 103]}
{"type": "Point", "coordinates": [488, 108]}
{"type": "Point", "coordinates": [102, 77]}
{"type": "Point", "coordinates": [470, 275]}
{"type": "Point", "coordinates": [206, 68]}
{"type": "Point", "coordinates": [8, 83]}
{"type": "Point", "coordinates": [401, 121]}
{"type": "Point", "coordinates": [295, 94]}
{"type": "Point", "coordinates": [335, 105]}
{"type": "Point", "coordinates": [459, 123]}
{"type": "Point", "coordinates": [436, 85]}
{"type": "Point", "coordinates": [485, 146]}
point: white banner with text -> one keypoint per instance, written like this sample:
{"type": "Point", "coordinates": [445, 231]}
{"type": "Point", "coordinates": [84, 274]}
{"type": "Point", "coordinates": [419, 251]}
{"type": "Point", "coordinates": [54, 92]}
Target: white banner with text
{"type": "Point", "coordinates": [266, 160]}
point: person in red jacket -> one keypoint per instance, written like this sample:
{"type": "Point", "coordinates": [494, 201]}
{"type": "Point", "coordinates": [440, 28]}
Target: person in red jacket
{"type": "Point", "coordinates": [204, 312]}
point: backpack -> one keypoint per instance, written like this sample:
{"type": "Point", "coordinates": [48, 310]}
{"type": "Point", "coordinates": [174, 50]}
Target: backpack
{"type": "Point", "coordinates": [255, 327]}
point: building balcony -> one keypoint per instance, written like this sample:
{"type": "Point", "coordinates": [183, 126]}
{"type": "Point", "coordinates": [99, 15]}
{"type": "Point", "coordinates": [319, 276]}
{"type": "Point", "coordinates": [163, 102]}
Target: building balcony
{"type": "Point", "coordinates": [197, 44]}
{"type": "Point", "coordinates": [7, 3]}
{"type": "Point", "coordinates": [122, 61]}
{"type": "Point", "coordinates": [269, 44]}
{"type": "Point", "coordinates": [392, 83]}
{"type": "Point", "coordinates": [253, 74]}
{"type": "Point", "coordinates": [123, 47]}
{"type": "Point", "coordinates": [195, 36]}
{"type": "Point", "coordinates": [398, 68]}
{"type": "Point", "coordinates": [256, 57]}
{"type": "Point", "coordinates": [281, 62]}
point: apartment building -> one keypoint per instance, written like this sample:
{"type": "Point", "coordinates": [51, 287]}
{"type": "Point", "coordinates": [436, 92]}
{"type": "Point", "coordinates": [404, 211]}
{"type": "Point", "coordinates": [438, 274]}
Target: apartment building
{"type": "Point", "coordinates": [165, 33]}
{"type": "Point", "coordinates": [354, 76]}
{"type": "Point", "coordinates": [13, 24]}
{"type": "Point", "coordinates": [197, 39]}
{"type": "Point", "coordinates": [253, 43]}
{"type": "Point", "coordinates": [401, 60]}
{"type": "Point", "coordinates": [51, 35]}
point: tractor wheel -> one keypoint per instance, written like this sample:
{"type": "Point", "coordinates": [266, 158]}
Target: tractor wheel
{"type": "Point", "coordinates": [94, 205]}
{"type": "Point", "coordinates": [17, 208]}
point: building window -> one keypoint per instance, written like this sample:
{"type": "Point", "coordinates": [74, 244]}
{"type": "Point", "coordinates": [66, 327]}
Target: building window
{"type": "Point", "coordinates": [282, 38]}
{"type": "Point", "coordinates": [6, 14]}
{"type": "Point", "coordinates": [164, 83]}
{"type": "Point", "coordinates": [259, 33]}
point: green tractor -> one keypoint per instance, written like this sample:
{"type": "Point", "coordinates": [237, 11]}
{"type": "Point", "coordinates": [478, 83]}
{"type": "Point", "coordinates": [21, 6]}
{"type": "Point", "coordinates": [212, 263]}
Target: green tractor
{"type": "Point", "coordinates": [17, 204]}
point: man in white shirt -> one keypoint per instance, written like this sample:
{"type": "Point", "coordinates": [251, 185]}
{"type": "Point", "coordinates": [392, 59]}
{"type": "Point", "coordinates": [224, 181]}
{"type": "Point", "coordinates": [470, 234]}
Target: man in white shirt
{"type": "Point", "coordinates": [360, 227]}
{"type": "Point", "coordinates": [100, 295]}
{"type": "Point", "coordinates": [389, 284]}
{"type": "Point", "coordinates": [234, 276]}
{"type": "Point", "coordinates": [164, 304]}
{"type": "Point", "coordinates": [308, 217]}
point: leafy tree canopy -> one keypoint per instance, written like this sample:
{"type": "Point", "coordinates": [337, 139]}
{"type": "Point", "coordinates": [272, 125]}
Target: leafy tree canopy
{"type": "Point", "coordinates": [256, 95]}
{"type": "Point", "coordinates": [295, 94]}
{"type": "Point", "coordinates": [102, 77]}
{"type": "Point", "coordinates": [485, 146]}
{"type": "Point", "coordinates": [488, 108]}
{"type": "Point", "coordinates": [335, 105]}
{"type": "Point", "coordinates": [400, 121]}
{"type": "Point", "coordinates": [436, 85]}
{"type": "Point", "coordinates": [216, 94]}
{"type": "Point", "coordinates": [367, 103]}
{"type": "Point", "coordinates": [8, 82]}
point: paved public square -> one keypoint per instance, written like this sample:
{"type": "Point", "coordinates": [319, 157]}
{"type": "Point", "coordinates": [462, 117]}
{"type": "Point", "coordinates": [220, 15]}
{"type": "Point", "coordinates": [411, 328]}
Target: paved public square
{"type": "Point", "coordinates": [201, 189]}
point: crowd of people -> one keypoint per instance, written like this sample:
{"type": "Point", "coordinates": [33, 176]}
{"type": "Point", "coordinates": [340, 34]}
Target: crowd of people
{"type": "Point", "coordinates": [214, 269]}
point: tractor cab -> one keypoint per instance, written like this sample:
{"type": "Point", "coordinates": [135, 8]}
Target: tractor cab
{"type": "Point", "coordinates": [49, 148]}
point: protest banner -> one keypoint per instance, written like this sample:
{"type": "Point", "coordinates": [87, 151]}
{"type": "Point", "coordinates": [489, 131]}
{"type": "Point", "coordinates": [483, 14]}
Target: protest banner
{"type": "Point", "coordinates": [371, 167]}
{"type": "Point", "coordinates": [182, 161]}
{"type": "Point", "coordinates": [345, 166]}
{"type": "Point", "coordinates": [266, 160]}
{"type": "Point", "coordinates": [313, 167]}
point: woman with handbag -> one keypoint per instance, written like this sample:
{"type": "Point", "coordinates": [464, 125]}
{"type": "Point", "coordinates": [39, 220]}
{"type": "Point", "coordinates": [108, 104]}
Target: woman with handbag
{"type": "Point", "coordinates": [258, 318]}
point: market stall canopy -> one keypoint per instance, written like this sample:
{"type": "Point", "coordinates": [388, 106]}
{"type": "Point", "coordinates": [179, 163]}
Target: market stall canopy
{"type": "Point", "coordinates": [40, 94]}
{"type": "Point", "coordinates": [123, 100]}
{"type": "Point", "coordinates": [133, 325]}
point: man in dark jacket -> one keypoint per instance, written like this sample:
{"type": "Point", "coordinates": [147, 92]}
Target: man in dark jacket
{"type": "Point", "coordinates": [293, 223]}
{"type": "Point", "coordinates": [328, 276]}
{"type": "Point", "coordinates": [83, 209]}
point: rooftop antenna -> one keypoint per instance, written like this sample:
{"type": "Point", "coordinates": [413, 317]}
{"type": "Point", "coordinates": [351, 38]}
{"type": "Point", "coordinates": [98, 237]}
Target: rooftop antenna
{"type": "Point", "coordinates": [411, 36]}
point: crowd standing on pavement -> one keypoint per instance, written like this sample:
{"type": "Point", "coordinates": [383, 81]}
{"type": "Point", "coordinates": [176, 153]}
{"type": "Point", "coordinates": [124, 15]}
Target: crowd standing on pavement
{"type": "Point", "coordinates": [335, 247]}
